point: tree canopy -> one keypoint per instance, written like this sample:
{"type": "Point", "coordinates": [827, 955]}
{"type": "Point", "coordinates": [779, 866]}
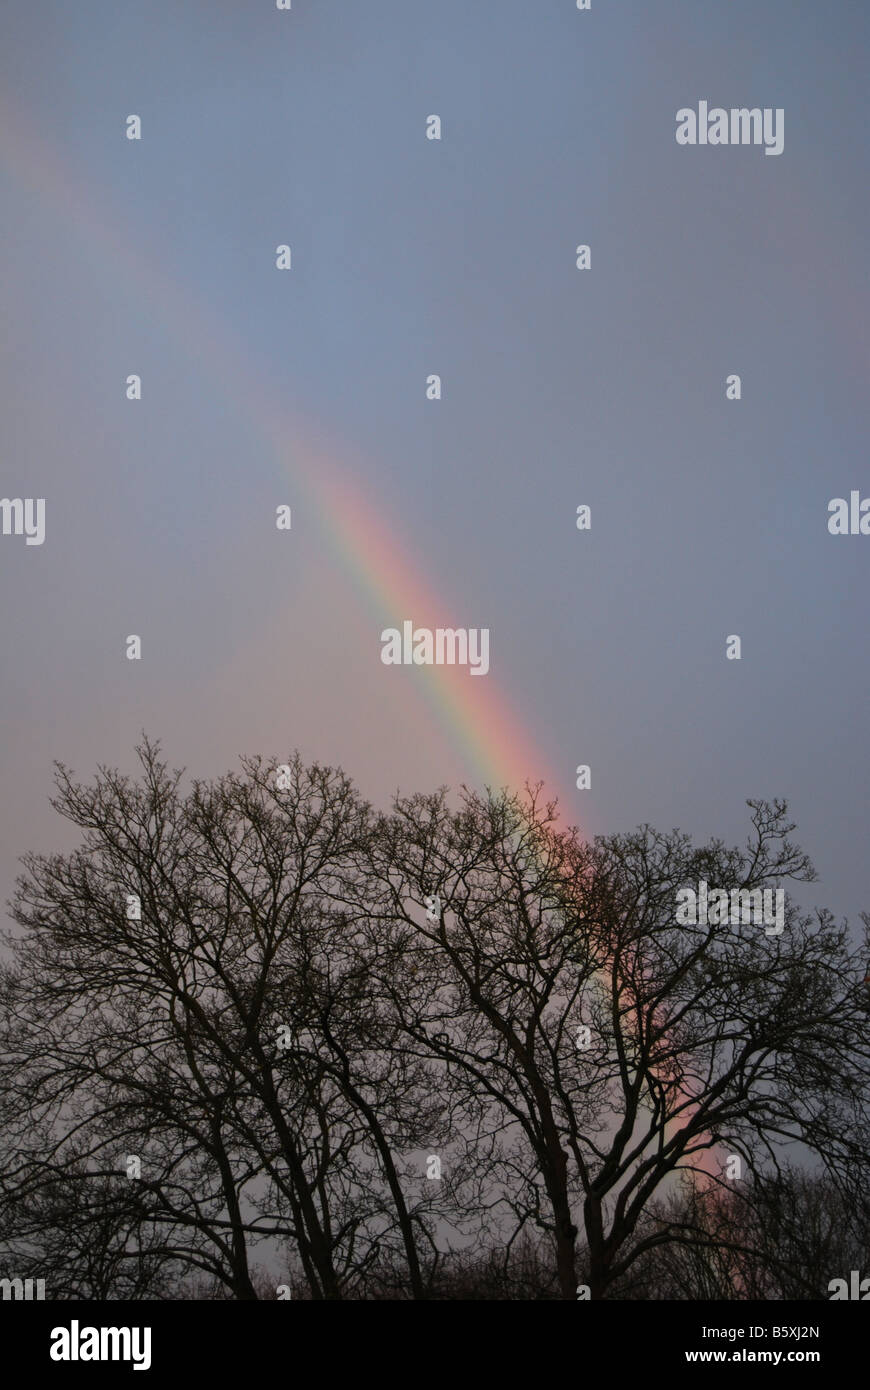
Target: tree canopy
{"type": "Point", "coordinates": [253, 1023]}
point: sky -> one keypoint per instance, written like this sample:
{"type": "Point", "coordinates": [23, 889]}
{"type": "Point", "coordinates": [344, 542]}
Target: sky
{"type": "Point", "coordinates": [561, 387]}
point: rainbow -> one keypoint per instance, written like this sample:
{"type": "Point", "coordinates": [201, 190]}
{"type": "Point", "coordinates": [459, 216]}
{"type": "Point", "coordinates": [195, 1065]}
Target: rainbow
{"type": "Point", "coordinates": [473, 714]}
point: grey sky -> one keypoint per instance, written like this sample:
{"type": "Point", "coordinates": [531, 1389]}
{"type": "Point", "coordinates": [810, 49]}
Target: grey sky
{"type": "Point", "coordinates": [560, 387]}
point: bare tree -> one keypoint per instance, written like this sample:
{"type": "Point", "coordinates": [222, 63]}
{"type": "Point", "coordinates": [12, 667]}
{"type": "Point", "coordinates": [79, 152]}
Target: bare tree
{"type": "Point", "coordinates": [188, 994]}
{"type": "Point", "coordinates": [784, 1236]}
{"type": "Point", "coordinates": [446, 1051]}
{"type": "Point", "coordinates": [698, 1036]}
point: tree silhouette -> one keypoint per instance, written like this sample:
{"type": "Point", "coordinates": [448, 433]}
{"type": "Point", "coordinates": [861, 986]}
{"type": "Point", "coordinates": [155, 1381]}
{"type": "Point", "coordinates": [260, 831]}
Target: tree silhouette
{"type": "Point", "coordinates": [445, 1048]}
